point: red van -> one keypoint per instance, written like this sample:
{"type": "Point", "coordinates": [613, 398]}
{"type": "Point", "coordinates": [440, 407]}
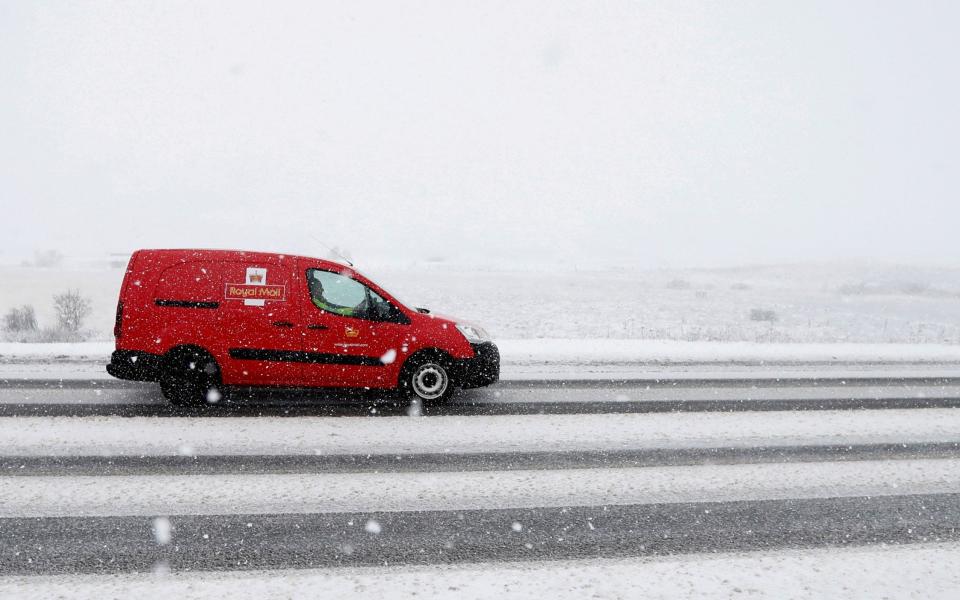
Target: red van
{"type": "Point", "coordinates": [201, 321]}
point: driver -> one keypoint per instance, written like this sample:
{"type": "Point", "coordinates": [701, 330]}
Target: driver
{"type": "Point", "coordinates": [321, 302]}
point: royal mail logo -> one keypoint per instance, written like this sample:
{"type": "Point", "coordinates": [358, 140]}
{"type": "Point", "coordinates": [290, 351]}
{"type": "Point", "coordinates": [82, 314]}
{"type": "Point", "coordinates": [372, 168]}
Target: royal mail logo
{"type": "Point", "coordinates": [240, 291]}
{"type": "Point", "coordinates": [351, 332]}
{"type": "Point", "coordinates": [255, 291]}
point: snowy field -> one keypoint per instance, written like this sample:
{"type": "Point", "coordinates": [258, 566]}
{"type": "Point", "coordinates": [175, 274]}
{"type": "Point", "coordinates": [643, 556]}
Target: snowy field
{"type": "Point", "coordinates": [918, 571]}
{"type": "Point", "coordinates": [846, 302]}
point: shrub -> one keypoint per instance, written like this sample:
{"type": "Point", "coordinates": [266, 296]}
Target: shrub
{"type": "Point", "coordinates": [51, 335]}
{"type": "Point", "coordinates": [72, 309]}
{"type": "Point", "coordinates": [763, 315]}
{"type": "Point", "coordinates": [678, 284]}
{"type": "Point", "coordinates": [905, 287]}
{"type": "Point", "coordinates": [773, 336]}
{"type": "Point", "coordinates": [20, 320]}
{"type": "Point", "coordinates": [912, 288]}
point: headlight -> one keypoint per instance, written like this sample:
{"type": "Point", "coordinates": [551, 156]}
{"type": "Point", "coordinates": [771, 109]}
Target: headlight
{"type": "Point", "coordinates": [474, 334]}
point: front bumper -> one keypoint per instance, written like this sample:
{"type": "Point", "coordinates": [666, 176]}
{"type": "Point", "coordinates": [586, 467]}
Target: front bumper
{"type": "Point", "coordinates": [134, 365]}
{"type": "Point", "coordinates": [483, 369]}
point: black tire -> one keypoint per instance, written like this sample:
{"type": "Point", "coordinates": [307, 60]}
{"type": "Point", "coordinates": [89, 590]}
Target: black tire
{"type": "Point", "coordinates": [191, 378]}
{"type": "Point", "coordinates": [427, 379]}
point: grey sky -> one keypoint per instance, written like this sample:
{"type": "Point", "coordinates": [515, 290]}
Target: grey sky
{"type": "Point", "coordinates": [661, 133]}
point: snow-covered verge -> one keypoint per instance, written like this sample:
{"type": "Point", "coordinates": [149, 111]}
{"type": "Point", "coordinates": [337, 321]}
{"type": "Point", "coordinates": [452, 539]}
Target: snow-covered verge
{"type": "Point", "coordinates": [93, 351]}
{"type": "Point", "coordinates": [922, 571]}
{"type": "Point", "coordinates": [609, 351]}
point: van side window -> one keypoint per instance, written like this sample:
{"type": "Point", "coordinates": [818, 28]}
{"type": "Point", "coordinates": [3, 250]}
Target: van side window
{"type": "Point", "coordinates": [341, 295]}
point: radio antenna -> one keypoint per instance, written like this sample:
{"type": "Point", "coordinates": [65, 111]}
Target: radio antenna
{"type": "Point", "coordinates": [332, 250]}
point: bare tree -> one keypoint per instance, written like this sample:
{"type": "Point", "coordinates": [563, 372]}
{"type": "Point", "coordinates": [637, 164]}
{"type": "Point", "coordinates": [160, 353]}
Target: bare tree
{"type": "Point", "coordinates": [72, 309]}
{"type": "Point", "coordinates": [20, 319]}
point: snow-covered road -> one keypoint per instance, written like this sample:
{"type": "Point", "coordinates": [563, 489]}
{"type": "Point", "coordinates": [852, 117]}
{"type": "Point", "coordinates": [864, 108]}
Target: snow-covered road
{"type": "Point", "coordinates": [147, 495]}
{"type": "Point", "coordinates": [99, 477]}
{"type": "Point", "coordinates": [189, 436]}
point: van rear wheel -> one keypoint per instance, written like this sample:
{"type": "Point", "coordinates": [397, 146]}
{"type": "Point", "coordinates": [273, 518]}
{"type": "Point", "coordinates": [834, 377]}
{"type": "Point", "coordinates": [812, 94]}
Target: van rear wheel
{"type": "Point", "coordinates": [191, 378]}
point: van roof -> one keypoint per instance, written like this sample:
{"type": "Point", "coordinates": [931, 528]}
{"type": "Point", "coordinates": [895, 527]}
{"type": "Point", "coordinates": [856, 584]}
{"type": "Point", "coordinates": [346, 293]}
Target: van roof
{"type": "Point", "coordinates": [218, 255]}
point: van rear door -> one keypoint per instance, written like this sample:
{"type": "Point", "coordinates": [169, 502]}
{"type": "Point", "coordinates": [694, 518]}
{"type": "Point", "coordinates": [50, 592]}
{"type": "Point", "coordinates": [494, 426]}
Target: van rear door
{"type": "Point", "coordinates": [260, 323]}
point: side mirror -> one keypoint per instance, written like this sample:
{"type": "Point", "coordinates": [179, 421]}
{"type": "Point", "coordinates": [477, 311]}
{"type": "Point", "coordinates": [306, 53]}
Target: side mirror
{"type": "Point", "coordinates": [397, 316]}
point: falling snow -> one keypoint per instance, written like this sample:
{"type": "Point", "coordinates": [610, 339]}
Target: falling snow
{"type": "Point", "coordinates": [372, 526]}
{"type": "Point", "coordinates": [162, 530]}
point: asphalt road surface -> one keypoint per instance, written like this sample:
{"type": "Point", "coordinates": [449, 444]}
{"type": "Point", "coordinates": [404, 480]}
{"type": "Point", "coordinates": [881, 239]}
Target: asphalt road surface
{"type": "Point", "coordinates": [243, 542]}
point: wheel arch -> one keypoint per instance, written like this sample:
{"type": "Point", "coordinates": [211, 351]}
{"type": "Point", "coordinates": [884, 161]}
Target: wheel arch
{"type": "Point", "coordinates": [185, 351]}
{"type": "Point", "coordinates": [430, 353]}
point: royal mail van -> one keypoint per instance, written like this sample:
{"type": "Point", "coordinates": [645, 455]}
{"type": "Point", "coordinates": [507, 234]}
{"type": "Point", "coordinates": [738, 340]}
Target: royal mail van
{"type": "Point", "coordinates": [201, 322]}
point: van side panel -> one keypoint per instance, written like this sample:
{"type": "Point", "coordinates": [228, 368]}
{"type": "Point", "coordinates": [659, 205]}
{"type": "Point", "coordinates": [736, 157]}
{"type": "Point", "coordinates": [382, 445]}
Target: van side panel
{"type": "Point", "coordinates": [157, 297]}
{"type": "Point", "coordinates": [139, 325]}
{"type": "Point", "coordinates": [259, 326]}
{"type": "Point", "coordinates": [183, 306]}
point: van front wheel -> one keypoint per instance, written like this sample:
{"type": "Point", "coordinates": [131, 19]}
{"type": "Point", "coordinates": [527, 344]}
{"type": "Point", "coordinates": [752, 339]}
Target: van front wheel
{"type": "Point", "coordinates": [191, 378]}
{"type": "Point", "coordinates": [427, 380]}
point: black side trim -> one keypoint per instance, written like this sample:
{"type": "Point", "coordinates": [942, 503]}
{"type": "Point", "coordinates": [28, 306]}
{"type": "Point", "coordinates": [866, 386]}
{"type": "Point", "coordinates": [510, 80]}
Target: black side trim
{"type": "Point", "coordinates": [186, 303]}
{"type": "Point", "coordinates": [303, 357]}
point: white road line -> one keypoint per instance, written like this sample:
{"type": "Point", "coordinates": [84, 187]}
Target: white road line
{"type": "Point", "coordinates": [148, 436]}
{"type": "Point", "coordinates": [371, 492]}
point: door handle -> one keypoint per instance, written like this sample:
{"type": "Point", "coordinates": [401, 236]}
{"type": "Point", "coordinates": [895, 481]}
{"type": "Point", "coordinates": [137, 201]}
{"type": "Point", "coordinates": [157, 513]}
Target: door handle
{"type": "Point", "coordinates": [282, 324]}
{"type": "Point", "coordinates": [315, 326]}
